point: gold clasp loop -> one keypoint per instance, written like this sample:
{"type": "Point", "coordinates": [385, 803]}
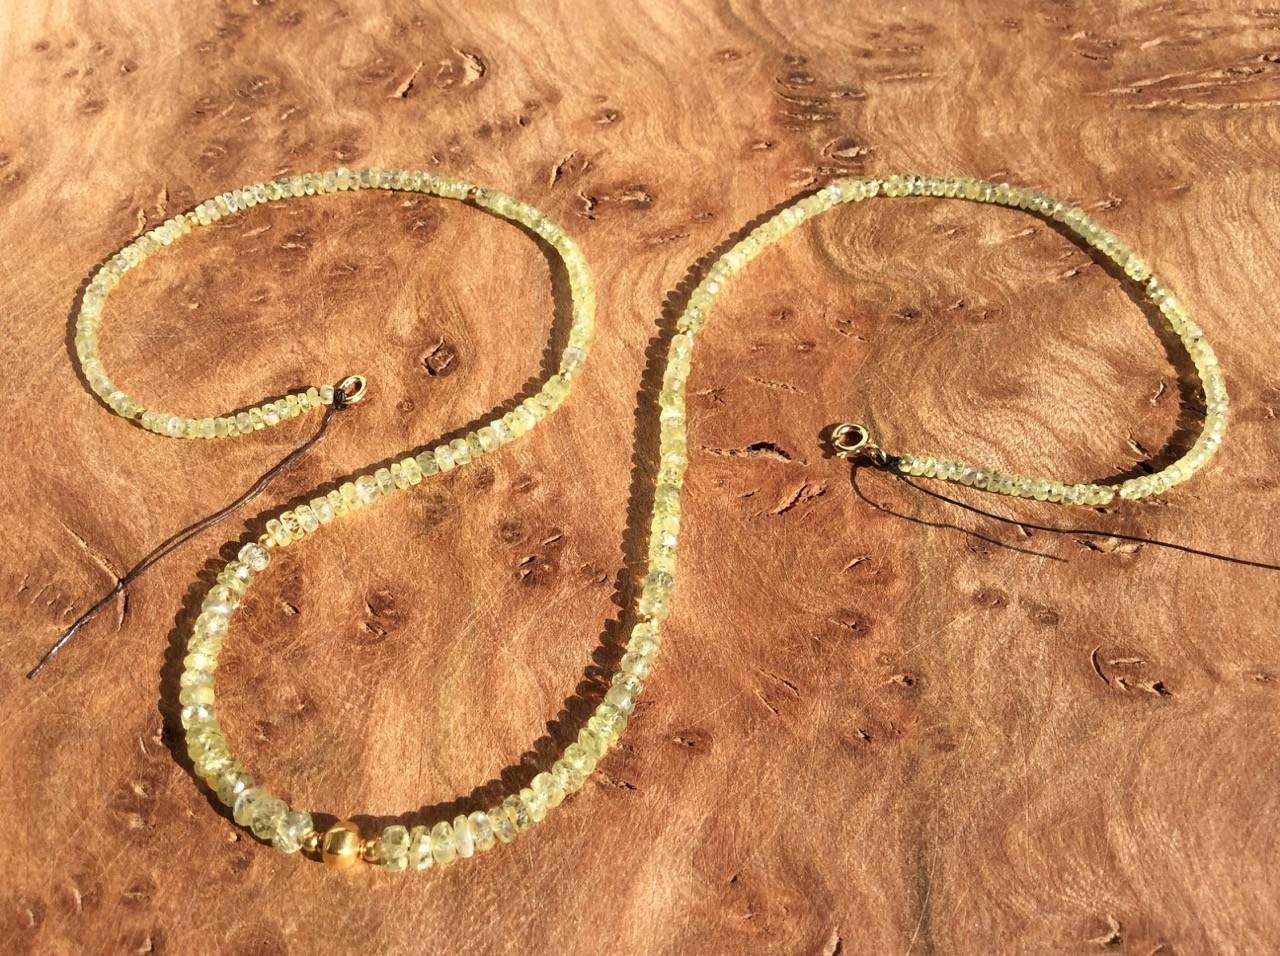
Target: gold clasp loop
{"type": "Point", "coordinates": [353, 388]}
{"type": "Point", "coordinates": [851, 440]}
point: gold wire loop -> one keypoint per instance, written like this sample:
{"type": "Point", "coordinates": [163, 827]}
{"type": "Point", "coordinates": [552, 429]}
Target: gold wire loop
{"type": "Point", "coordinates": [353, 388]}
{"type": "Point", "coordinates": [851, 440]}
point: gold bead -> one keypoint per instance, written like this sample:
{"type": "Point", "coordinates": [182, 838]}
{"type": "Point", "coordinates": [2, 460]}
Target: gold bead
{"type": "Point", "coordinates": [371, 850]}
{"type": "Point", "coordinates": [311, 842]}
{"type": "Point", "coordinates": [340, 847]}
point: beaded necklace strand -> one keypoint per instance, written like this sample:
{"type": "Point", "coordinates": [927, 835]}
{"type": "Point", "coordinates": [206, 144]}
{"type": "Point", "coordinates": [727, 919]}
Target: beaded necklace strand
{"type": "Point", "coordinates": [421, 847]}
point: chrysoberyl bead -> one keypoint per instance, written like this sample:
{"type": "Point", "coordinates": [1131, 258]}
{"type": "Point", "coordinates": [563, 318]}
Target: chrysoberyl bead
{"type": "Point", "coordinates": [462, 837]}
{"type": "Point", "coordinates": [395, 848]}
{"type": "Point", "coordinates": [292, 830]}
{"type": "Point", "coordinates": [231, 784]}
{"type": "Point", "coordinates": [242, 810]}
{"type": "Point", "coordinates": [255, 557]}
{"type": "Point", "coordinates": [481, 830]}
{"type": "Point", "coordinates": [443, 849]}
{"type": "Point", "coordinates": [420, 857]}
{"type": "Point", "coordinates": [268, 814]}
{"type": "Point", "coordinates": [517, 812]}
{"type": "Point", "coordinates": [503, 829]}
{"type": "Point", "coordinates": [535, 804]}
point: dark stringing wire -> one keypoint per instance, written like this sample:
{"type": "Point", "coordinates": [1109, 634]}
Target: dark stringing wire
{"type": "Point", "coordinates": [186, 534]}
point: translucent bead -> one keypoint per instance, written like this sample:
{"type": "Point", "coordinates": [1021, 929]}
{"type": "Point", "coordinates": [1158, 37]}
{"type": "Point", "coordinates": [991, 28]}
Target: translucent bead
{"type": "Point", "coordinates": [242, 810]}
{"type": "Point", "coordinates": [503, 829]}
{"type": "Point", "coordinates": [367, 488]}
{"type": "Point", "coordinates": [636, 664]}
{"type": "Point", "coordinates": [568, 777]}
{"type": "Point", "coordinates": [323, 509]}
{"type": "Point", "coordinates": [460, 452]}
{"type": "Point", "coordinates": [548, 790]}
{"type": "Point", "coordinates": [443, 849]}
{"type": "Point", "coordinates": [576, 756]}
{"type": "Point", "coordinates": [255, 557]}
{"type": "Point", "coordinates": [291, 526]}
{"type": "Point", "coordinates": [591, 743]}
{"type": "Point", "coordinates": [517, 812]}
{"type": "Point", "coordinates": [488, 438]}
{"type": "Point", "coordinates": [395, 848]}
{"type": "Point", "coordinates": [420, 857]}
{"type": "Point", "coordinates": [231, 783]}
{"type": "Point", "coordinates": [462, 837]}
{"type": "Point", "coordinates": [481, 830]}
{"type": "Point", "coordinates": [427, 463]}
{"type": "Point", "coordinates": [351, 498]}
{"type": "Point", "coordinates": [608, 721]}
{"type": "Point", "coordinates": [195, 678]}
{"type": "Point", "coordinates": [268, 813]}
{"type": "Point", "coordinates": [196, 695]}
{"type": "Point", "coordinates": [293, 828]}
{"type": "Point", "coordinates": [195, 712]}
{"type": "Point", "coordinates": [534, 803]}
{"type": "Point", "coordinates": [210, 624]}
{"type": "Point", "coordinates": [307, 519]}
{"type": "Point", "coordinates": [621, 698]}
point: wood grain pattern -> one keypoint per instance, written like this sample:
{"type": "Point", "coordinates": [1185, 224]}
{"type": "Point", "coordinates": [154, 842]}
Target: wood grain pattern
{"type": "Point", "coordinates": [884, 722]}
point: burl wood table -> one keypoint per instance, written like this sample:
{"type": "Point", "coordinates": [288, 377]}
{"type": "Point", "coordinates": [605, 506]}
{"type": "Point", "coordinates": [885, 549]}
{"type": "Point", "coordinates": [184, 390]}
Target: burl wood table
{"type": "Point", "coordinates": [888, 717]}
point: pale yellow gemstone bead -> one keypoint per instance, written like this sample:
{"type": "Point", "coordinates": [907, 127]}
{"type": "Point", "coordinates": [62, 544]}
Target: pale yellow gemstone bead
{"type": "Point", "coordinates": [394, 855]}
{"type": "Point", "coordinates": [462, 837]}
{"type": "Point", "coordinates": [443, 849]}
{"type": "Point", "coordinates": [535, 804]}
{"type": "Point", "coordinates": [420, 854]}
{"type": "Point", "coordinates": [517, 812]}
{"type": "Point", "coordinates": [292, 829]}
{"type": "Point", "coordinates": [481, 830]}
{"type": "Point", "coordinates": [503, 828]}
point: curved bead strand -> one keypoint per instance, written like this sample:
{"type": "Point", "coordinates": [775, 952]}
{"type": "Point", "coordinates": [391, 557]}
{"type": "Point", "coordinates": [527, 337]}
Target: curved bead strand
{"type": "Point", "coordinates": [235, 423]}
{"type": "Point", "coordinates": [253, 806]}
{"type": "Point", "coordinates": [444, 842]}
{"type": "Point", "coordinates": [1077, 221]}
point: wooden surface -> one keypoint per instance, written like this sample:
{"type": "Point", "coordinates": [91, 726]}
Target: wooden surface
{"type": "Point", "coordinates": [883, 722]}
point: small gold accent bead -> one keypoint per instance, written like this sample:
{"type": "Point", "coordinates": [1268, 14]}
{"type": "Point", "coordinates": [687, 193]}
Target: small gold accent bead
{"type": "Point", "coordinates": [311, 842]}
{"type": "Point", "coordinates": [371, 850]}
{"type": "Point", "coordinates": [340, 847]}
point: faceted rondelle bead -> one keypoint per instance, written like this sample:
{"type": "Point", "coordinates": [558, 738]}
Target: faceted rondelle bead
{"type": "Point", "coordinates": [462, 837]}
{"type": "Point", "coordinates": [517, 812]}
{"type": "Point", "coordinates": [395, 848]}
{"type": "Point", "coordinates": [481, 830]}
{"type": "Point", "coordinates": [243, 809]}
{"type": "Point", "coordinates": [268, 813]}
{"type": "Point", "coordinates": [504, 830]}
{"type": "Point", "coordinates": [419, 854]}
{"type": "Point", "coordinates": [534, 803]}
{"type": "Point", "coordinates": [231, 784]}
{"type": "Point", "coordinates": [255, 557]}
{"type": "Point", "coordinates": [443, 848]}
{"type": "Point", "coordinates": [292, 830]}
